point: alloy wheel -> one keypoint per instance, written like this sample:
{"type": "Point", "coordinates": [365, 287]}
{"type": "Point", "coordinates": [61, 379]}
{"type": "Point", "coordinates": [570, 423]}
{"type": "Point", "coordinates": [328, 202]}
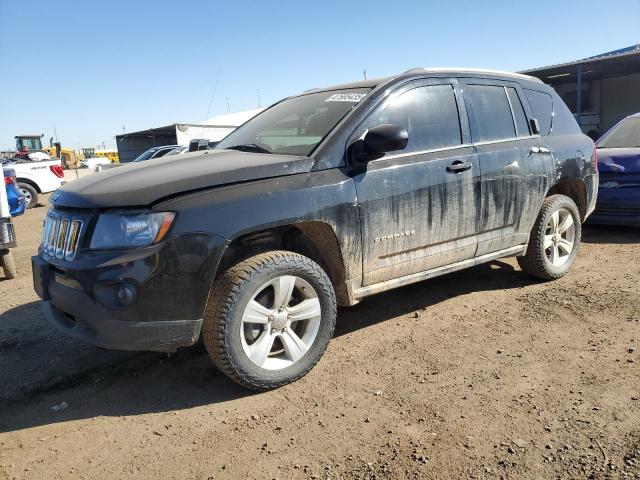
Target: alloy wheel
{"type": "Point", "coordinates": [559, 237]}
{"type": "Point", "coordinates": [27, 196]}
{"type": "Point", "coordinates": [280, 322]}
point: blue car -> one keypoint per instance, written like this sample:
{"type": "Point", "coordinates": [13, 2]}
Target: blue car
{"type": "Point", "coordinates": [619, 165]}
{"type": "Point", "coordinates": [17, 204]}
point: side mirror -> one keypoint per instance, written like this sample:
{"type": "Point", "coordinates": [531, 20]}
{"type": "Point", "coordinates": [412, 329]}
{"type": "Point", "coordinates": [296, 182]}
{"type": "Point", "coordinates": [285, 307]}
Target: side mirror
{"type": "Point", "coordinates": [535, 126]}
{"type": "Point", "coordinates": [377, 141]}
{"type": "Point", "coordinates": [385, 138]}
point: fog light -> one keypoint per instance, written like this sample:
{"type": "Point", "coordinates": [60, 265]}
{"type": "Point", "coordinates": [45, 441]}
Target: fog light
{"type": "Point", "coordinates": [126, 295]}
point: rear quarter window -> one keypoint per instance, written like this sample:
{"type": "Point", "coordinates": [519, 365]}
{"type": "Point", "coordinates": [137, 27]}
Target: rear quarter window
{"type": "Point", "coordinates": [564, 123]}
{"type": "Point", "coordinates": [542, 107]}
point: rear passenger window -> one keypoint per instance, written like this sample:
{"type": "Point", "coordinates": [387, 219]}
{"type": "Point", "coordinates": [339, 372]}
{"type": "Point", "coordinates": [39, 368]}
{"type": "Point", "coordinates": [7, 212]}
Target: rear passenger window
{"type": "Point", "coordinates": [519, 116]}
{"type": "Point", "coordinates": [493, 120]}
{"type": "Point", "coordinates": [429, 114]}
{"type": "Point", "coordinates": [542, 108]}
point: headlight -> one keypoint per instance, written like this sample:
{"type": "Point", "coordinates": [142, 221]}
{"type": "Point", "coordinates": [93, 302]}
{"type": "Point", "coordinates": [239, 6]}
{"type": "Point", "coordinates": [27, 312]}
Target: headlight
{"type": "Point", "coordinates": [115, 230]}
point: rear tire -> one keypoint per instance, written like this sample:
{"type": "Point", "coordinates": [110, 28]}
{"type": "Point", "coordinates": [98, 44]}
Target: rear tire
{"type": "Point", "coordinates": [555, 239]}
{"type": "Point", "coordinates": [269, 319]}
{"type": "Point", "coordinates": [30, 194]}
{"type": "Point", "coordinates": [8, 265]}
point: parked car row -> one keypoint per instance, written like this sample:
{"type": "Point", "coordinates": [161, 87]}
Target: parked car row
{"type": "Point", "coordinates": [165, 150]}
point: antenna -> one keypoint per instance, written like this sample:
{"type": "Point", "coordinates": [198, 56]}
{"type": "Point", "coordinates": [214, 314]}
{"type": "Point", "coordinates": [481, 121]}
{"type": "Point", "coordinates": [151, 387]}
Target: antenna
{"type": "Point", "coordinates": [364, 72]}
{"type": "Point", "coordinates": [213, 94]}
{"type": "Point", "coordinates": [55, 133]}
{"type": "Point", "coordinates": [228, 107]}
{"type": "Point", "coordinates": [259, 103]}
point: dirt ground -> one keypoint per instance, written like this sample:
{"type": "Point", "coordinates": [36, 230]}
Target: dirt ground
{"type": "Point", "coordinates": [484, 373]}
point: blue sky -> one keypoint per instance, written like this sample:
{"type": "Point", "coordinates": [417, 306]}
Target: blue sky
{"type": "Point", "coordinates": [90, 67]}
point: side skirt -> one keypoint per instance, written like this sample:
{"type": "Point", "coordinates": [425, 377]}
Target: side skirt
{"type": "Point", "coordinates": [360, 293]}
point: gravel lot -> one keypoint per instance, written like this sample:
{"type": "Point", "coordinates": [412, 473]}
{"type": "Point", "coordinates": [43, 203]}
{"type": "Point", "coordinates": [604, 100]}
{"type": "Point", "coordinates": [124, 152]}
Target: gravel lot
{"type": "Point", "coordinates": [484, 373]}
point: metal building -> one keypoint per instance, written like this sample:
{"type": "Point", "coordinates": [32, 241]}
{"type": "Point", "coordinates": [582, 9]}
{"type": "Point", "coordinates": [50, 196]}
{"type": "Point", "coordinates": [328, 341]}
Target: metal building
{"type": "Point", "coordinates": [599, 90]}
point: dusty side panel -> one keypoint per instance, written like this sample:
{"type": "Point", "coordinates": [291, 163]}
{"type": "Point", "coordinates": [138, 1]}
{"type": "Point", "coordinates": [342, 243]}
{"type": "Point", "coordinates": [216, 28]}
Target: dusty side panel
{"type": "Point", "coordinates": [326, 196]}
{"type": "Point", "coordinates": [415, 214]}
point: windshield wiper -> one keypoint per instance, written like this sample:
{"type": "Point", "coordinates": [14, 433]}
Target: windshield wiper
{"type": "Point", "coordinates": [249, 147]}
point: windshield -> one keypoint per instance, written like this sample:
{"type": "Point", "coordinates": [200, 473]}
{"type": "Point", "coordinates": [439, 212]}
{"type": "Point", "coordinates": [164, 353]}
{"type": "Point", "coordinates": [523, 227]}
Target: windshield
{"type": "Point", "coordinates": [146, 155]}
{"type": "Point", "coordinates": [297, 125]}
{"type": "Point", "coordinates": [624, 135]}
{"type": "Point", "coordinates": [176, 151]}
{"type": "Point", "coordinates": [30, 143]}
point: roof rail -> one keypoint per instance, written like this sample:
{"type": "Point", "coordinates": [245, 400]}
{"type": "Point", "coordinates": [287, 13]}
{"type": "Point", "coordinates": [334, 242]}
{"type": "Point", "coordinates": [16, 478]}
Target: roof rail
{"type": "Point", "coordinates": [469, 70]}
{"type": "Point", "coordinates": [414, 70]}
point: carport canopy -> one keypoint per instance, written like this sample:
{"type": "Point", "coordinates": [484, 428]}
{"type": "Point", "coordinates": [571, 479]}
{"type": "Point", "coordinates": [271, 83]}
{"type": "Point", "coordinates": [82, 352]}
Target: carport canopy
{"type": "Point", "coordinates": [617, 63]}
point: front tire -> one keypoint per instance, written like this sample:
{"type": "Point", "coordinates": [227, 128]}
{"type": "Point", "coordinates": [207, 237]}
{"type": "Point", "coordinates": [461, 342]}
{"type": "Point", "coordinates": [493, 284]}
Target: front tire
{"type": "Point", "coordinates": [269, 319]}
{"type": "Point", "coordinates": [555, 239]}
{"type": "Point", "coordinates": [30, 194]}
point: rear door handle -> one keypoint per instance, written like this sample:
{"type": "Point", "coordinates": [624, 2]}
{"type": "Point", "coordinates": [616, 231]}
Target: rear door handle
{"type": "Point", "coordinates": [458, 166]}
{"type": "Point", "coordinates": [537, 149]}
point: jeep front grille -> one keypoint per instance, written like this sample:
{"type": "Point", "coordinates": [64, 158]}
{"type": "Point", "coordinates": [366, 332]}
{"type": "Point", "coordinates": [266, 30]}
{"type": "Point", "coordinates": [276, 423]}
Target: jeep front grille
{"type": "Point", "coordinates": [61, 236]}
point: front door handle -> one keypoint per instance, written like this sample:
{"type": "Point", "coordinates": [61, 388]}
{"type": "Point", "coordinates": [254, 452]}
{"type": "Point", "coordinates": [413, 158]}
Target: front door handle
{"type": "Point", "coordinates": [458, 166]}
{"type": "Point", "coordinates": [537, 149]}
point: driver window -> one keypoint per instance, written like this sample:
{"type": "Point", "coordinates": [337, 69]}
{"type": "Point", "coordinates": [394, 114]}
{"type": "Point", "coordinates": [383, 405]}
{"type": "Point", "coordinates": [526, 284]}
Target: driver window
{"type": "Point", "coordinates": [429, 114]}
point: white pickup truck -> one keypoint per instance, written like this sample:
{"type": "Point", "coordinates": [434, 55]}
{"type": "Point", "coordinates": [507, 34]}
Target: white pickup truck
{"type": "Point", "coordinates": [37, 177]}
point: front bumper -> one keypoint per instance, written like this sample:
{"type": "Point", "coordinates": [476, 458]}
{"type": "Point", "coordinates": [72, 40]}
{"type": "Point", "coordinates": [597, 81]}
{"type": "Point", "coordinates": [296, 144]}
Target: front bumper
{"type": "Point", "coordinates": [618, 204]}
{"type": "Point", "coordinates": [616, 216]}
{"type": "Point", "coordinates": [161, 336]}
{"type": "Point", "coordinates": [171, 284]}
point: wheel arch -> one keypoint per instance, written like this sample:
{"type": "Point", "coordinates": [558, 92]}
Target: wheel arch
{"type": "Point", "coordinates": [575, 189]}
{"type": "Point", "coordinates": [28, 181]}
{"type": "Point", "coordinates": [314, 239]}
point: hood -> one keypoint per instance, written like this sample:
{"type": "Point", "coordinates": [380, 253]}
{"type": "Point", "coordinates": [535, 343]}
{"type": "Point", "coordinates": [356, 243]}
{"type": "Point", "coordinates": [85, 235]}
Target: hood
{"type": "Point", "coordinates": [144, 183]}
{"type": "Point", "coordinates": [619, 160]}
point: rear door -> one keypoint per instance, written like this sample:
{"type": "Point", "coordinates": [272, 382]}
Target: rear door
{"type": "Point", "coordinates": [501, 135]}
{"type": "Point", "coordinates": [418, 206]}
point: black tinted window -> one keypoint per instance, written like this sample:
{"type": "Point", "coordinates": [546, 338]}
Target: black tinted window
{"type": "Point", "coordinates": [429, 114]}
{"type": "Point", "coordinates": [492, 114]}
{"type": "Point", "coordinates": [542, 108]}
{"type": "Point", "coordinates": [564, 122]}
{"type": "Point", "coordinates": [518, 112]}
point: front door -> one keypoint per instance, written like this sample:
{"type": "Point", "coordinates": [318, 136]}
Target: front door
{"type": "Point", "coordinates": [419, 206]}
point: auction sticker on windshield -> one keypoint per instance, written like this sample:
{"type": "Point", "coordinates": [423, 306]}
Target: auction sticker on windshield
{"type": "Point", "coordinates": [346, 97]}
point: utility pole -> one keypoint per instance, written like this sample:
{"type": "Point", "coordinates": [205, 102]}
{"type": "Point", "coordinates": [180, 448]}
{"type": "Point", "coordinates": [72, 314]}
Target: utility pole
{"type": "Point", "coordinates": [259, 103]}
{"type": "Point", "coordinates": [228, 107]}
{"type": "Point", "coordinates": [364, 72]}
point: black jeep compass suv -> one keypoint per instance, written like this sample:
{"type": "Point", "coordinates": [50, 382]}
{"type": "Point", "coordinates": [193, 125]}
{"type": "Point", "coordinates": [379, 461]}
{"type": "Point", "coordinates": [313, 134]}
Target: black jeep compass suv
{"type": "Point", "coordinates": [321, 200]}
